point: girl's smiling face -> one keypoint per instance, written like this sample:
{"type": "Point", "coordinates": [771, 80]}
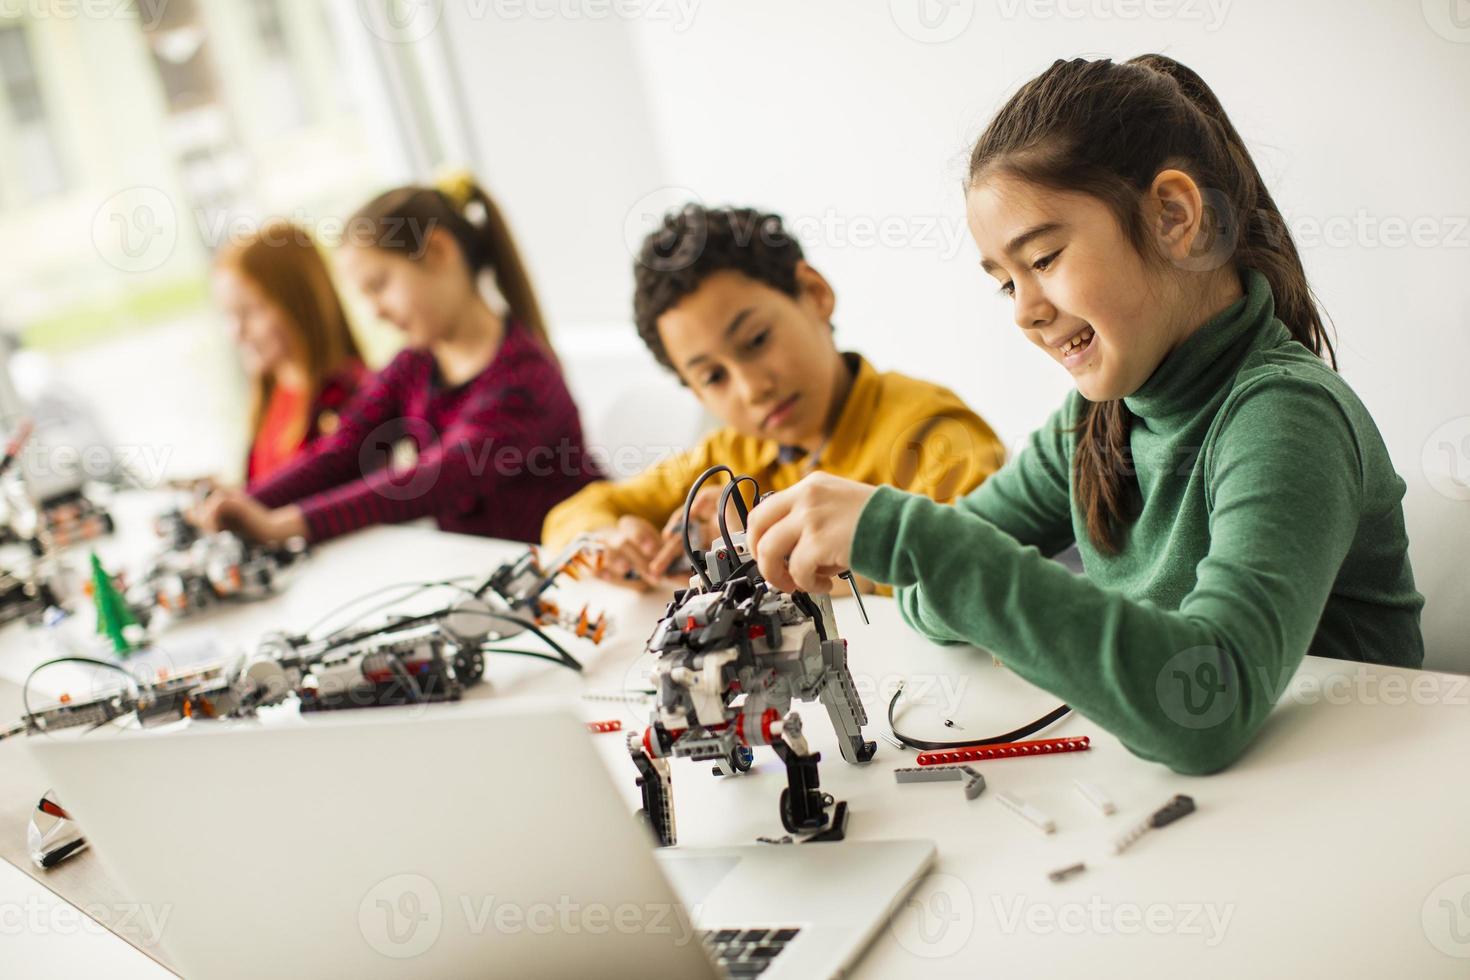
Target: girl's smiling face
{"type": "Point", "coordinates": [1080, 289]}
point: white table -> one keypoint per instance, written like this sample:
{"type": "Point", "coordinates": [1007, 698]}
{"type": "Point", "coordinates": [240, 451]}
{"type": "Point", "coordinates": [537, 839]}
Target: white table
{"type": "Point", "coordinates": [1337, 846]}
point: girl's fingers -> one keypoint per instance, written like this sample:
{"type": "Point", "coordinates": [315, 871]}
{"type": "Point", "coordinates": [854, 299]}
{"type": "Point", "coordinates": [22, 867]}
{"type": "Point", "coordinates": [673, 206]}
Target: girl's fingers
{"type": "Point", "coordinates": [767, 514]}
{"type": "Point", "coordinates": [808, 566]}
{"type": "Point", "coordinates": [776, 545]}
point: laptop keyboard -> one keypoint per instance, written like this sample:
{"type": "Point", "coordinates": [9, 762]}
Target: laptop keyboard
{"type": "Point", "coordinates": [746, 952]}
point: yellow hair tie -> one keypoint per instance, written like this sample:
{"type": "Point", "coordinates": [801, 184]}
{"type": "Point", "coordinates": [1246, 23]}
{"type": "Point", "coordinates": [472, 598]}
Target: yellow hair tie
{"type": "Point", "coordinates": [458, 186]}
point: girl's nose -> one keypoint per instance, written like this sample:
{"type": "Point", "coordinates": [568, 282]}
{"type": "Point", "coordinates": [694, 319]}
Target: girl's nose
{"type": "Point", "coordinates": [1032, 309]}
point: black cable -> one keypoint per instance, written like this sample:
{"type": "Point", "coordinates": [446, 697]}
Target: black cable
{"type": "Point", "coordinates": [697, 563]}
{"type": "Point", "coordinates": [417, 588]}
{"type": "Point", "coordinates": [525, 624]}
{"type": "Point", "coordinates": [809, 606]}
{"type": "Point", "coordinates": [740, 508]}
{"type": "Point", "coordinates": [532, 653]}
{"type": "Point", "coordinates": [1011, 736]}
{"type": "Point", "coordinates": [25, 688]}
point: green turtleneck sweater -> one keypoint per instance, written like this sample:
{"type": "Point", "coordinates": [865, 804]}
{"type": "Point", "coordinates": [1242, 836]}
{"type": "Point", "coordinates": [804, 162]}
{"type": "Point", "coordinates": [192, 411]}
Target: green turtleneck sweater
{"type": "Point", "coordinates": [1270, 527]}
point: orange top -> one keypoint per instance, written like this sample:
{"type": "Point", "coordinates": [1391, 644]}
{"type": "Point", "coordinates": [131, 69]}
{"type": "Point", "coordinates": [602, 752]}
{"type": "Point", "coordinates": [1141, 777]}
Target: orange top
{"type": "Point", "coordinates": [275, 445]}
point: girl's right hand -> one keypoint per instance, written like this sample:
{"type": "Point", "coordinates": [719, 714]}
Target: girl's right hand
{"type": "Point", "coordinates": [208, 515]}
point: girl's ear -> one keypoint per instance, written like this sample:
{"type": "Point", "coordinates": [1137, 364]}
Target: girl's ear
{"type": "Point", "coordinates": [441, 251]}
{"type": "Point", "coordinates": [814, 290]}
{"type": "Point", "coordinates": [1177, 215]}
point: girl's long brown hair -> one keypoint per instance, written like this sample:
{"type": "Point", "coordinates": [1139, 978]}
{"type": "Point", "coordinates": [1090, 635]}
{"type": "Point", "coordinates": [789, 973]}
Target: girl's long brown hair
{"type": "Point", "coordinates": [1107, 130]}
{"type": "Point", "coordinates": [284, 263]}
{"type": "Point", "coordinates": [400, 220]}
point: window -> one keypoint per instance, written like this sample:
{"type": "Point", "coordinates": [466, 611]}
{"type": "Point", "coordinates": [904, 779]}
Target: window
{"type": "Point", "coordinates": [32, 152]}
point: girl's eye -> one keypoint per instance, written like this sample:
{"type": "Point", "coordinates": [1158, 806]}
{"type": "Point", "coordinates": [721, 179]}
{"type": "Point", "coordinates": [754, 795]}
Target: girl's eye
{"type": "Point", "coordinates": [713, 378]}
{"type": "Point", "coordinates": [759, 339]}
{"type": "Point", "coordinates": [1008, 289]}
{"type": "Point", "coordinates": [1043, 263]}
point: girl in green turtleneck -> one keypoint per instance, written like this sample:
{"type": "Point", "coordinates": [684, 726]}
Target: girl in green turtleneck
{"type": "Point", "coordinates": [1233, 502]}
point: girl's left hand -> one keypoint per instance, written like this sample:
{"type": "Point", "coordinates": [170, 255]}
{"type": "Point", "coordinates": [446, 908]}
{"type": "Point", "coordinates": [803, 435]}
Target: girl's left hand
{"type": "Point", "coordinates": [802, 537]}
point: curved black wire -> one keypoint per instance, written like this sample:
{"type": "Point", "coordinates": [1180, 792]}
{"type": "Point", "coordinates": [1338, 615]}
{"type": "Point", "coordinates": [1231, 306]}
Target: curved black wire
{"type": "Point", "coordinates": [1011, 736]}
{"type": "Point", "coordinates": [694, 560]}
{"type": "Point", "coordinates": [530, 653]}
{"type": "Point", "coordinates": [526, 624]}
{"type": "Point", "coordinates": [809, 606]}
{"type": "Point", "coordinates": [416, 587]}
{"type": "Point", "coordinates": [740, 508]}
{"type": "Point", "coordinates": [25, 688]}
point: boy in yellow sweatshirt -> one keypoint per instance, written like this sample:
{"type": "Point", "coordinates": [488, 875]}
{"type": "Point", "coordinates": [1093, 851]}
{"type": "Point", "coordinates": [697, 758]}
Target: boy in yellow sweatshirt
{"type": "Point", "coordinates": [725, 300]}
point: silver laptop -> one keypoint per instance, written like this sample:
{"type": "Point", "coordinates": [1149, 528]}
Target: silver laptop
{"type": "Point", "coordinates": [479, 839]}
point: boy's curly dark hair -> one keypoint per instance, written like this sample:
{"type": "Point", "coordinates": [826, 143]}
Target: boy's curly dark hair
{"type": "Point", "coordinates": [694, 242]}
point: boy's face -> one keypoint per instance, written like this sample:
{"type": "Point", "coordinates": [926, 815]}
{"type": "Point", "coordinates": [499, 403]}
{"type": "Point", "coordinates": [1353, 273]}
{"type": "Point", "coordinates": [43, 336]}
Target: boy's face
{"type": "Point", "coordinates": [760, 361]}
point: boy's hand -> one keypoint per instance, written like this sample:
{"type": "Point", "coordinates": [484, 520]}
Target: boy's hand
{"type": "Point", "coordinates": [632, 545]}
{"type": "Point", "coordinates": [702, 517]}
{"type": "Point", "coordinates": [802, 537]}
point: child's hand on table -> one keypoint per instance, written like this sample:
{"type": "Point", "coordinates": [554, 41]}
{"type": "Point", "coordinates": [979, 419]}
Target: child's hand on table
{"type": "Point", "coordinates": [633, 546]}
{"type": "Point", "coordinates": [236, 511]}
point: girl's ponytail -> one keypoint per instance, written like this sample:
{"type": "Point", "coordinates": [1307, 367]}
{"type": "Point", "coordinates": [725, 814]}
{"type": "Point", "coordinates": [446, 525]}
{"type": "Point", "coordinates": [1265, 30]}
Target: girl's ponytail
{"type": "Point", "coordinates": [1265, 243]}
{"type": "Point", "coordinates": [401, 220]}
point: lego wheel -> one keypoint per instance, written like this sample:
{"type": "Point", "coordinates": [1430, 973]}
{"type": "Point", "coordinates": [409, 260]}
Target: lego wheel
{"type": "Point", "coordinates": [469, 665]}
{"type": "Point", "coordinates": [739, 760]}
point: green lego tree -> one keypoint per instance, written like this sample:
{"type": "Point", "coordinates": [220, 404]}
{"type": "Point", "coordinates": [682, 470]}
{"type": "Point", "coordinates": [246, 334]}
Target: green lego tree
{"type": "Point", "coordinates": [113, 616]}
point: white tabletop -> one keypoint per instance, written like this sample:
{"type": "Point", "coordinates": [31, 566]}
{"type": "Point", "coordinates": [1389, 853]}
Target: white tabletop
{"type": "Point", "coordinates": [1336, 846]}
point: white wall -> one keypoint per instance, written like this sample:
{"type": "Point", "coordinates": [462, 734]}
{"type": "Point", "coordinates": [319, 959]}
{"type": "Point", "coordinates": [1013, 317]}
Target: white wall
{"type": "Point", "coordinates": [854, 119]}
{"type": "Point", "coordinates": [565, 142]}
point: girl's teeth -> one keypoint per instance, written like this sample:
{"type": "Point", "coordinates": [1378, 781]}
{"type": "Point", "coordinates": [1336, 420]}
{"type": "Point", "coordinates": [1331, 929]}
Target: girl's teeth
{"type": "Point", "coordinates": [1078, 341]}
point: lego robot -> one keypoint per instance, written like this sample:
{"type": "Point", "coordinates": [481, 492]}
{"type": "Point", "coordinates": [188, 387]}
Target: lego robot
{"type": "Point", "coordinates": [733, 654]}
{"type": "Point", "coordinates": [406, 660]}
{"type": "Point", "coordinates": [200, 571]}
{"type": "Point", "coordinates": [521, 587]}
